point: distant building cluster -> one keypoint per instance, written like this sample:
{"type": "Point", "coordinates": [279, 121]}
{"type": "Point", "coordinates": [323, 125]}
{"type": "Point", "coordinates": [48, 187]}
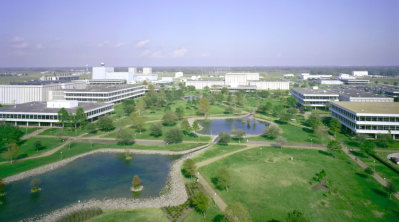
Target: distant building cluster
{"type": "Point", "coordinates": [238, 81]}
{"type": "Point", "coordinates": [131, 76]}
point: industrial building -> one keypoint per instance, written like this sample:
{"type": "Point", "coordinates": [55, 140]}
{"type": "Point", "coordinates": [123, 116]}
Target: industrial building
{"type": "Point", "coordinates": [367, 117]}
{"type": "Point", "coordinates": [46, 113]}
{"type": "Point", "coordinates": [107, 94]}
{"type": "Point", "coordinates": [238, 81]}
{"type": "Point", "coordinates": [329, 82]}
{"type": "Point", "coordinates": [355, 81]}
{"type": "Point", "coordinates": [360, 73]}
{"type": "Point", "coordinates": [357, 95]}
{"type": "Point", "coordinates": [316, 97]}
{"type": "Point", "coordinates": [34, 91]}
{"type": "Point", "coordinates": [106, 81]}
{"type": "Point", "coordinates": [306, 76]}
{"type": "Point", "coordinates": [131, 76]}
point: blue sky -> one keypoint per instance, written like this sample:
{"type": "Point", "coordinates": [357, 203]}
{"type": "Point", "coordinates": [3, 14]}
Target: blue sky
{"type": "Point", "coordinates": [199, 33]}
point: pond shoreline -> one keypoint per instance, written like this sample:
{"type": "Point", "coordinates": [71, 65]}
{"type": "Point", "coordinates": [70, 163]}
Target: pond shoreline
{"type": "Point", "coordinates": [173, 194]}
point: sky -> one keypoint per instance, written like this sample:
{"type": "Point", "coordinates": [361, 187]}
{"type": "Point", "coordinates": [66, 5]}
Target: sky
{"type": "Point", "coordinates": [63, 33]}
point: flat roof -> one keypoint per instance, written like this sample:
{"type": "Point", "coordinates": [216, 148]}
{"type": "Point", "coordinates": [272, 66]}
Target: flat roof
{"type": "Point", "coordinates": [371, 107]}
{"type": "Point", "coordinates": [306, 91]}
{"type": "Point", "coordinates": [354, 92]}
{"type": "Point", "coordinates": [102, 88]}
{"type": "Point", "coordinates": [41, 107]}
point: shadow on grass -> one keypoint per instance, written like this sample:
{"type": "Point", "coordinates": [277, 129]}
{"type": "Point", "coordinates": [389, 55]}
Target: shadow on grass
{"type": "Point", "coordinates": [326, 153]}
{"type": "Point", "coordinates": [218, 218]}
{"type": "Point", "coordinates": [379, 192]}
{"type": "Point", "coordinates": [362, 175]}
{"type": "Point", "coordinates": [307, 130]}
{"type": "Point", "coordinates": [359, 154]}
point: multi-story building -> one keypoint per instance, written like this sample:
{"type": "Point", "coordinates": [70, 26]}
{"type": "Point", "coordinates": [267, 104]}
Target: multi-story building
{"type": "Point", "coordinates": [367, 117]}
{"type": "Point", "coordinates": [236, 79]}
{"type": "Point", "coordinates": [106, 81]}
{"type": "Point", "coordinates": [103, 72]}
{"type": "Point", "coordinates": [147, 70]}
{"type": "Point", "coordinates": [355, 81]}
{"type": "Point", "coordinates": [270, 85]}
{"type": "Point", "coordinates": [107, 94]}
{"type": "Point", "coordinates": [358, 95]}
{"type": "Point", "coordinates": [306, 76]}
{"type": "Point", "coordinates": [34, 91]}
{"type": "Point", "coordinates": [360, 73]}
{"type": "Point", "coordinates": [314, 97]}
{"type": "Point", "coordinates": [46, 113]}
{"type": "Point", "coordinates": [201, 84]}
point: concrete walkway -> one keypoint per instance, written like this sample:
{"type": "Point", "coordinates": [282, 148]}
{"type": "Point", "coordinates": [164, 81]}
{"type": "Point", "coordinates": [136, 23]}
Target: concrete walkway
{"type": "Point", "coordinates": [34, 133]}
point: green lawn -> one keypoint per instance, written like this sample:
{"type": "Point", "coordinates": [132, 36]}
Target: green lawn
{"type": "Point", "coordinates": [212, 214]}
{"type": "Point", "coordinates": [27, 148]}
{"type": "Point", "coordinates": [146, 134]}
{"type": "Point", "coordinates": [216, 150]}
{"type": "Point", "coordinates": [28, 130]}
{"type": "Point", "coordinates": [144, 214]}
{"type": "Point", "coordinates": [67, 131]}
{"type": "Point", "coordinates": [270, 185]}
{"type": "Point", "coordinates": [79, 148]}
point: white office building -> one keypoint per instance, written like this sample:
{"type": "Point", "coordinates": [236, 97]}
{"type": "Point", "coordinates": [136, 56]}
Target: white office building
{"type": "Point", "coordinates": [367, 117]}
{"type": "Point", "coordinates": [147, 70]}
{"type": "Point", "coordinates": [360, 73]}
{"type": "Point", "coordinates": [107, 94]}
{"type": "Point", "coordinates": [307, 76]}
{"type": "Point", "coordinates": [239, 79]}
{"type": "Point", "coordinates": [329, 82]}
{"type": "Point", "coordinates": [308, 97]}
{"type": "Point", "coordinates": [178, 74]}
{"type": "Point", "coordinates": [46, 113]}
{"type": "Point", "coordinates": [103, 72]}
{"type": "Point", "coordinates": [270, 85]}
{"type": "Point", "coordinates": [34, 91]}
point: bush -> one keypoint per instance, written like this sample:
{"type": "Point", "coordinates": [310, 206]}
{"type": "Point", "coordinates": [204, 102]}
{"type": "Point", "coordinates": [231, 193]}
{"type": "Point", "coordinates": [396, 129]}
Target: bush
{"type": "Point", "coordinates": [224, 138]}
{"type": "Point", "coordinates": [369, 171]}
{"type": "Point", "coordinates": [273, 131]}
{"type": "Point", "coordinates": [174, 135]}
{"type": "Point", "coordinates": [156, 129]}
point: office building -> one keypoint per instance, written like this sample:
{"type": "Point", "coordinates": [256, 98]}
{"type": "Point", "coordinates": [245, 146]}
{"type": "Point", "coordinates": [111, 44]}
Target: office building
{"type": "Point", "coordinates": [103, 72]}
{"type": "Point", "coordinates": [107, 94]}
{"type": "Point", "coordinates": [178, 74]}
{"type": "Point", "coordinates": [34, 91]}
{"type": "Point", "coordinates": [367, 117]}
{"type": "Point", "coordinates": [106, 81]}
{"type": "Point", "coordinates": [355, 81]}
{"type": "Point", "coordinates": [329, 82]}
{"type": "Point", "coordinates": [360, 73]}
{"type": "Point", "coordinates": [236, 79]}
{"type": "Point", "coordinates": [147, 70]}
{"type": "Point", "coordinates": [308, 76]}
{"type": "Point", "coordinates": [308, 97]}
{"type": "Point", "coordinates": [359, 95]}
{"type": "Point", "coordinates": [46, 113]}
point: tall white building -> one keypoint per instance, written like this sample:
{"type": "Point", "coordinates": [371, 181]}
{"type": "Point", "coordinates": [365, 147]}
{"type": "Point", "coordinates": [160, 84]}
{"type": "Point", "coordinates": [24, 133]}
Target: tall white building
{"type": "Point", "coordinates": [100, 72]}
{"type": "Point", "coordinates": [178, 74]}
{"type": "Point", "coordinates": [360, 73]}
{"type": "Point", "coordinates": [237, 79]}
{"type": "Point", "coordinates": [103, 72]}
{"type": "Point", "coordinates": [147, 70]}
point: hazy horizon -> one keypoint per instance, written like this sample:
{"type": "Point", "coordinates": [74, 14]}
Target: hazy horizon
{"type": "Point", "coordinates": [54, 34]}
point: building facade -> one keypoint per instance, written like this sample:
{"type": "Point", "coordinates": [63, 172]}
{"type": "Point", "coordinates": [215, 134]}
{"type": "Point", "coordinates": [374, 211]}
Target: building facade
{"type": "Point", "coordinates": [270, 85]}
{"type": "Point", "coordinates": [107, 94]}
{"type": "Point", "coordinates": [46, 113]}
{"type": "Point", "coordinates": [308, 97]}
{"type": "Point", "coordinates": [360, 73]}
{"type": "Point", "coordinates": [367, 117]}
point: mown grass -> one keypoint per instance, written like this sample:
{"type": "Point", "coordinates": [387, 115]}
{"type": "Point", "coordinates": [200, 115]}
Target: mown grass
{"type": "Point", "coordinates": [270, 185]}
{"type": "Point", "coordinates": [216, 150]}
{"type": "Point", "coordinates": [79, 148]}
{"type": "Point", "coordinates": [67, 131]}
{"type": "Point", "coordinates": [145, 214]}
{"type": "Point", "coordinates": [28, 130]}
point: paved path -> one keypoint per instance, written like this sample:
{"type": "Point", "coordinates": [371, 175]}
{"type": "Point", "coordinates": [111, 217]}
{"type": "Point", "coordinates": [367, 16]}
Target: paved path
{"type": "Point", "coordinates": [208, 188]}
{"type": "Point", "coordinates": [34, 133]}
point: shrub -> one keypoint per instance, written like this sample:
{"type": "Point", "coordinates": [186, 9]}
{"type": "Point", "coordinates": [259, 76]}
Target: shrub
{"type": "Point", "coordinates": [369, 171]}
{"type": "Point", "coordinates": [81, 215]}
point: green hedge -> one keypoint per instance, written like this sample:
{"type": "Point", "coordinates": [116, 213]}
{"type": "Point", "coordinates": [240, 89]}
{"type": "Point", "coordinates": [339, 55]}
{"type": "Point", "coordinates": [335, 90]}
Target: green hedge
{"type": "Point", "coordinates": [386, 163]}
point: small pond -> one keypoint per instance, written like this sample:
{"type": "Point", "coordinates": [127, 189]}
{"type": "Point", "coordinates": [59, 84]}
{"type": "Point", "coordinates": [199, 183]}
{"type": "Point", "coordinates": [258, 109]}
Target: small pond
{"type": "Point", "coordinates": [249, 125]}
{"type": "Point", "coordinates": [96, 176]}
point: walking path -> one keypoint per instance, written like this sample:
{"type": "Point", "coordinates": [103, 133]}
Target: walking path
{"type": "Point", "coordinates": [34, 133]}
{"type": "Point", "coordinates": [208, 188]}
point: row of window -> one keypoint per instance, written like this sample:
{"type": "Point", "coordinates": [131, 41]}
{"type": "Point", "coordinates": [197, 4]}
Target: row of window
{"type": "Point", "coordinates": [110, 99]}
{"type": "Point", "coordinates": [365, 118]}
{"type": "Point", "coordinates": [87, 94]}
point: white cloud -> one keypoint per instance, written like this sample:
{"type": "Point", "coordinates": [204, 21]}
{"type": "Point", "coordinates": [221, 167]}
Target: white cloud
{"type": "Point", "coordinates": [16, 39]}
{"type": "Point", "coordinates": [142, 43]}
{"type": "Point", "coordinates": [119, 44]}
{"type": "Point", "coordinates": [20, 45]}
{"type": "Point", "coordinates": [102, 44]}
{"type": "Point", "coordinates": [39, 46]}
{"type": "Point", "coordinates": [205, 54]}
{"type": "Point", "coordinates": [145, 53]}
{"type": "Point", "coordinates": [179, 52]}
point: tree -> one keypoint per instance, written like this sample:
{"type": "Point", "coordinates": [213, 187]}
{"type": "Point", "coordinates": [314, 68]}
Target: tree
{"type": "Point", "coordinates": [224, 138]}
{"type": "Point", "coordinates": [281, 141]}
{"type": "Point", "coordinates": [369, 171]}
{"type": "Point", "coordinates": [335, 126]}
{"type": "Point", "coordinates": [224, 90]}
{"type": "Point", "coordinates": [229, 110]}
{"type": "Point", "coordinates": [222, 179]}
{"type": "Point", "coordinates": [179, 112]}
{"type": "Point", "coordinates": [2, 187]}
{"type": "Point", "coordinates": [185, 126]}
{"type": "Point", "coordinates": [38, 145]}
{"type": "Point", "coordinates": [9, 134]}
{"type": "Point", "coordinates": [238, 134]}
{"type": "Point", "coordinates": [91, 127]}
{"type": "Point", "coordinates": [63, 116]}
{"type": "Point", "coordinates": [273, 131]}
{"type": "Point", "coordinates": [169, 118]}
{"type": "Point", "coordinates": [236, 212]}
{"type": "Point", "coordinates": [391, 189]}
{"type": "Point", "coordinates": [383, 140]}
{"type": "Point", "coordinates": [296, 216]}
{"type": "Point", "coordinates": [321, 175]}
{"type": "Point", "coordinates": [138, 121]}
{"type": "Point", "coordinates": [80, 116]}
{"type": "Point", "coordinates": [136, 181]}
{"type": "Point", "coordinates": [174, 135]}
{"type": "Point", "coordinates": [277, 109]}
{"type": "Point", "coordinates": [156, 129]}
{"type": "Point", "coordinates": [35, 184]}
{"type": "Point", "coordinates": [334, 146]}
{"type": "Point", "coordinates": [105, 123]}
{"type": "Point", "coordinates": [284, 117]}
{"type": "Point", "coordinates": [195, 126]}
{"type": "Point", "coordinates": [367, 147]}
{"type": "Point", "coordinates": [204, 107]}
{"type": "Point", "coordinates": [314, 122]}
{"type": "Point", "coordinates": [129, 106]}
{"type": "Point", "coordinates": [124, 137]}
{"type": "Point", "coordinates": [12, 152]}
{"type": "Point", "coordinates": [189, 167]}
{"type": "Point", "coordinates": [201, 202]}
{"type": "Point", "coordinates": [291, 101]}
{"type": "Point", "coordinates": [140, 107]}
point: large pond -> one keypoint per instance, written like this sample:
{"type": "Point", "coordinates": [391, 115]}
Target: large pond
{"type": "Point", "coordinates": [248, 124]}
{"type": "Point", "coordinates": [96, 176]}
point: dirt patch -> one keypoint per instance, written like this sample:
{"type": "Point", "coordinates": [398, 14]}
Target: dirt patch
{"type": "Point", "coordinates": [348, 213]}
{"type": "Point", "coordinates": [321, 186]}
{"type": "Point", "coordinates": [285, 183]}
{"type": "Point", "coordinates": [378, 213]}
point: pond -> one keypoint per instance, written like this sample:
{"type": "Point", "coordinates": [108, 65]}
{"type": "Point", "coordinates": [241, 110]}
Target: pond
{"type": "Point", "coordinates": [249, 125]}
{"type": "Point", "coordinates": [96, 176]}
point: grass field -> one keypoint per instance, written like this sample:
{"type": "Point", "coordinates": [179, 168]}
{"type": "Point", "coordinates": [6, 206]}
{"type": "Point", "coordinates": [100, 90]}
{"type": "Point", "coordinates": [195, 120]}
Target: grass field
{"type": "Point", "coordinates": [27, 148]}
{"type": "Point", "coordinates": [212, 214]}
{"type": "Point", "coordinates": [145, 214]}
{"type": "Point", "coordinates": [270, 185]}
{"type": "Point", "coordinates": [29, 130]}
{"type": "Point", "coordinates": [79, 148]}
{"type": "Point", "coordinates": [67, 131]}
{"type": "Point", "coordinates": [216, 150]}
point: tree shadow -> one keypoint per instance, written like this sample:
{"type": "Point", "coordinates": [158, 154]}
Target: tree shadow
{"type": "Point", "coordinates": [307, 130]}
{"type": "Point", "coordinates": [326, 153]}
{"type": "Point", "coordinates": [362, 175]}
{"type": "Point", "coordinates": [218, 218]}
{"type": "Point", "coordinates": [359, 154]}
{"type": "Point", "coordinates": [273, 220]}
{"type": "Point", "coordinates": [379, 192]}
